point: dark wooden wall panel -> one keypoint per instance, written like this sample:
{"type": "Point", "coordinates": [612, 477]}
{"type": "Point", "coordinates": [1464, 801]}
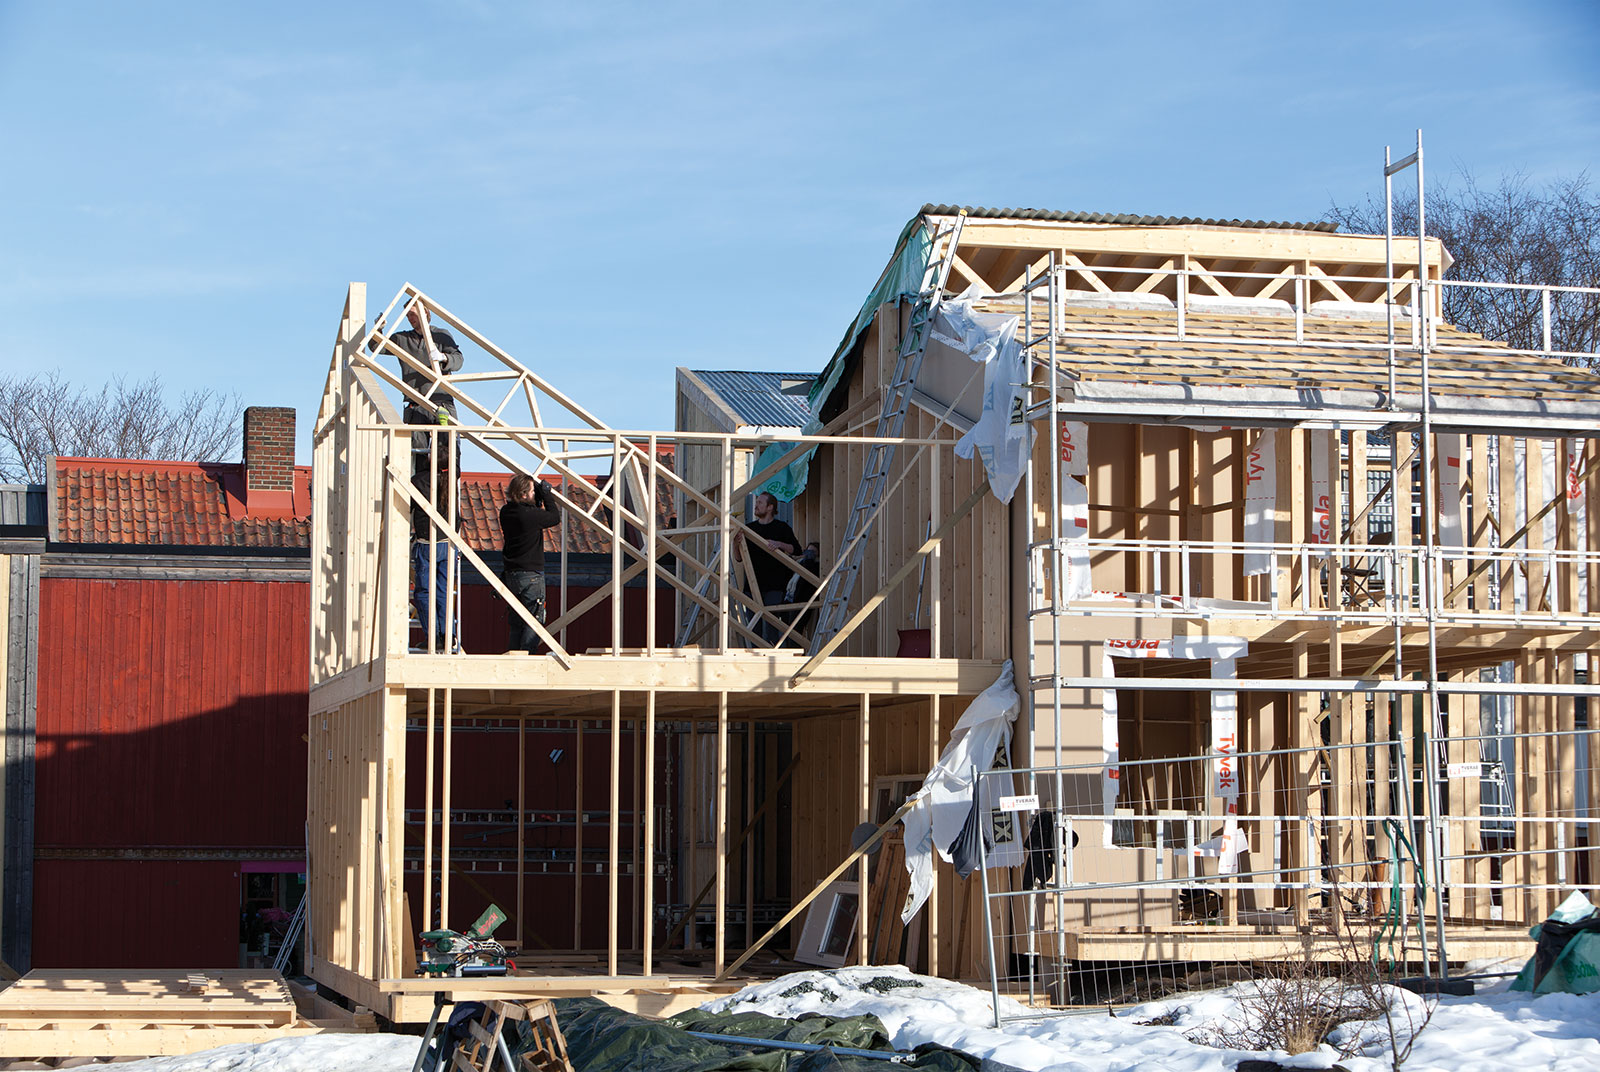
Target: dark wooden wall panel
{"type": "Point", "coordinates": [172, 713]}
{"type": "Point", "coordinates": [136, 914]}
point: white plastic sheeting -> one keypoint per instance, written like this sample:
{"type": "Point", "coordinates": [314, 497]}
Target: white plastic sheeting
{"type": "Point", "coordinates": [1074, 460]}
{"type": "Point", "coordinates": [1001, 435]}
{"type": "Point", "coordinates": [980, 740]}
{"type": "Point", "coordinates": [1261, 502]}
{"type": "Point", "coordinates": [1447, 447]}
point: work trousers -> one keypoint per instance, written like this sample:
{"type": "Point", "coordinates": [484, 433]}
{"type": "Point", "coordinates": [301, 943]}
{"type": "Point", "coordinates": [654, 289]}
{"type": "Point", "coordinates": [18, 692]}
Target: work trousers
{"type": "Point", "coordinates": [528, 587]}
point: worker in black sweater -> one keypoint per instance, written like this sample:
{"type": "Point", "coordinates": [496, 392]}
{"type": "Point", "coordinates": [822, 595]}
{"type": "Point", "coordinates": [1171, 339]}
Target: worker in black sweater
{"type": "Point", "coordinates": [529, 510]}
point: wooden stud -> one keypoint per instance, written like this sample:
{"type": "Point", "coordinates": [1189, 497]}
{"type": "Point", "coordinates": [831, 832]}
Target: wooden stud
{"type": "Point", "coordinates": [428, 820]}
{"type": "Point", "coordinates": [522, 820]}
{"type": "Point", "coordinates": [577, 837]}
{"type": "Point", "coordinates": [647, 942]}
{"type": "Point", "coordinates": [722, 833]}
{"type": "Point", "coordinates": [445, 867]}
{"type": "Point", "coordinates": [614, 829]}
{"type": "Point", "coordinates": [864, 814]}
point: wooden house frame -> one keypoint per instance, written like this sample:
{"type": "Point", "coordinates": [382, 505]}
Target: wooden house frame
{"type": "Point", "coordinates": [851, 713]}
{"type": "Point", "coordinates": [1177, 344]}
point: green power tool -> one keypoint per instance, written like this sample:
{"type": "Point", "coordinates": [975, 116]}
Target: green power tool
{"type": "Point", "coordinates": [447, 952]}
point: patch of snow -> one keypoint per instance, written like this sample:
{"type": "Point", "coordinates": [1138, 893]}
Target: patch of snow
{"type": "Point", "coordinates": [1492, 1031]}
{"type": "Point", "coordinates": [300, 1053]}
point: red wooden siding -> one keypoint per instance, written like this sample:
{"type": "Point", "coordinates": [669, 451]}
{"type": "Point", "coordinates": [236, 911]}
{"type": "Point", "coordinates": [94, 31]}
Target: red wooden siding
{"type": "Point", "coordinates": [135, 914]}
{"type": "Point", "coordinates": [484, 629]}
{"type": "Point", "coordinates": [172, 713]}
{"type": "Point", "coordinates": [484, 777]}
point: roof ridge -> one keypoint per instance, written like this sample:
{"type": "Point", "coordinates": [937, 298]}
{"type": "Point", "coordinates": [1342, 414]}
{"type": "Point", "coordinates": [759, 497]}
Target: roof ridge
{"type": "Point", "coordinates": [1125, 219]}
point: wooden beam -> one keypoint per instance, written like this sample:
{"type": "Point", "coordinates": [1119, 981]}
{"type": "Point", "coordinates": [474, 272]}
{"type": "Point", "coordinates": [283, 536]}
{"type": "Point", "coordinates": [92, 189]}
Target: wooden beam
{"type": "Point", "coordinates": [722, 833]}
{"type": "Point", "coordinates": [614, 829]}
{"type": "Point", "coordinates": [649, 899]}
{"type": "Point", "coordinates": [1230, 242]}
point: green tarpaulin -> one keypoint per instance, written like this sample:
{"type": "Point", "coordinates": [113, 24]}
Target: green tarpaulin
{"type": "Point", "coordinates": [902, 276]}
{"type": "Point", "coordinates": [603, 1039]}
{"type": "Point", "coordinates": [1567, 960]}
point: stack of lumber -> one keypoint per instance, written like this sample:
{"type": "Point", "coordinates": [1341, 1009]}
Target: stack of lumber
{"type": "Point", "coordinates": [51, 1014]}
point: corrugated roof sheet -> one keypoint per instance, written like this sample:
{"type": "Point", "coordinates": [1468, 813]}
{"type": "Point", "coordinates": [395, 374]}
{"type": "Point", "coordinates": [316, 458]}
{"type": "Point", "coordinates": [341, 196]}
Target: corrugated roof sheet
{"type": "Point", "coordinates": [759, 398]}
{"type": "Point", "coordinates": [1125, 219]}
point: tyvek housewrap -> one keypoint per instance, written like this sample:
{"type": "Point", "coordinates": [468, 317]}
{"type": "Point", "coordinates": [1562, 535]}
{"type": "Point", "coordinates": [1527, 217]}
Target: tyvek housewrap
{"type": "Point", "coordinates": [1001, 435]}
{"type": "Point", "coordinates": [981, 740]}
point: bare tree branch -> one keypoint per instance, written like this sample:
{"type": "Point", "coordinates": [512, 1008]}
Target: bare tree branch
{"type": "Point", "coordinates": [44, 415]}
{"type": "Point", "coordinates": [1514, 232]}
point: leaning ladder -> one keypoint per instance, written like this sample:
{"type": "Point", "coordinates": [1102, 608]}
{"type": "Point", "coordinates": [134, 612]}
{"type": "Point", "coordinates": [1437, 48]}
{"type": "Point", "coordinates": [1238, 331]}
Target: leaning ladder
{"type": "Point", "coordinates": [891, 422]}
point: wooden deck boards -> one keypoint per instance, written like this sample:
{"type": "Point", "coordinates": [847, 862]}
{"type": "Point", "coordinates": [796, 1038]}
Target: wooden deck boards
{"type": "Point", "coordinates": [76, 1013]}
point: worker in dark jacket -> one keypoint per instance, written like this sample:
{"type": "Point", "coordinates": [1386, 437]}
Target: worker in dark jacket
{"type": "Point", "coordinates": [529, 510]}
{"type": "Point", "coordinates": [432, 557]}
{"type": "Point", "coordinates": [772, 575]}
{"type": "Point", "coordinates": [434, 348]}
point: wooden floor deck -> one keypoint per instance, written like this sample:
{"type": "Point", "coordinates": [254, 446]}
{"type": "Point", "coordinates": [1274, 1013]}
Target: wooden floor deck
{"type": "Point", "coordinates": [49, 1014]}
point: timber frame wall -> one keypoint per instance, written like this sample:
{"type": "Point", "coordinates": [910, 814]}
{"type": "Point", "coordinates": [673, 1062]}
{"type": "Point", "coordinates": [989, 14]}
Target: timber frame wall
{"type": "Point", "coordinates": [854, 716]}
{"type": "Point", "coordinates": [1178, 346]}
{"type": "Point", "coordinates": [1271, 349]}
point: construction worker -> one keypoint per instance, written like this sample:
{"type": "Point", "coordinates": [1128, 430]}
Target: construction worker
{"type": "Point", "coordinates": [772, 576]}
{"type": "Point", "coordinates": [529, 510]}
{"type": "Point", "coordinates": [432, 557]}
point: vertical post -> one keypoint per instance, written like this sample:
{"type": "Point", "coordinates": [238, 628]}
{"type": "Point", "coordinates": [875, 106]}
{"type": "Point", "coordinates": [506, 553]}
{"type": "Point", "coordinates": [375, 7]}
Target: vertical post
{"type": "Point", "coordinates": [650, 827]}
{"type": "Point", "coordinates": [561, 530]}
{"type": "Point", "coordinates": [615, 828]}
{"type": "Point", "coordinates": [745, 856]}
{"type": "Point", "coordinates": [452, 627]}
{"type": "Point", "coordinates": [650, 550]}
{"type": "Point", "coordinates": [694, 778]}
{"type": "Point", "coordinates": [724, 572]}
{"type": "Point", "coordinates": [395, 616]}
{"type": "Point", "coordinates": [427, 819]}
{"type": "Point", "coordinates": [932, 908]}
{"type": "Point", "coordinates": [444, 803]}
{"type": "Point", "coordinates": [988, 917]}
{"type": "Point", "coordinates": [522, 814]}
{"type": "Point", "coordinates": [1388, 287]}
{"type": "Point", "coordinates": [577, 840]}
{"type": "Point", "coordinates": [721, 954]}
{"type": "Point", "coordinates": [1545, 306]}
{"type": "Point", "coordinates": [634, 836]}
{"type": "Point", "coordinates": [1433, 725]}
{"type": "Point", "coordinates": [864, 814]}
{"type": "Point", "coordinates": [431, 619]}
{"type": "Point", "coordinates": [936, 606]}
{"type": "Point", "coordinates": [618, 531]}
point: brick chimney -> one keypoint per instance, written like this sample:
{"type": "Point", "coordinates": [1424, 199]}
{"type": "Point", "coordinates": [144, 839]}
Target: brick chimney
{"type": "Point", "coordinates": [269, 461]}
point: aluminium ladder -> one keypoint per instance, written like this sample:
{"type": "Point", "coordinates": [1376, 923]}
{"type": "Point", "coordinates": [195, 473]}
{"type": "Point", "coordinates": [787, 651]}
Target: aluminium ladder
{"type": "Point", "coordinates": [891, 422]}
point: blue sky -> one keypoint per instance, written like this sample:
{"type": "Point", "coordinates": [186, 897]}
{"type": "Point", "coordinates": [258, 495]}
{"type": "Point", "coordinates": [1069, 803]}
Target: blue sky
{"type": "Point", "coordinates": [612, 190]}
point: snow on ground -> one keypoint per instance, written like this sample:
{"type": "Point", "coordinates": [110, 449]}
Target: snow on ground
{"type": "Point", "coordinates": [1492, 1031]}
{"type": "Point", "coordinates": [304, 1053]}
